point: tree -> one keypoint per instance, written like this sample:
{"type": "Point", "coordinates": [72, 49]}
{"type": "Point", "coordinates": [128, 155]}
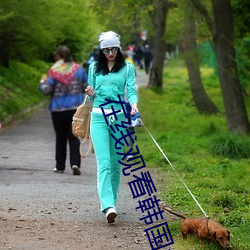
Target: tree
{"type": "Point", "coordinates": [242, 33]}
{"type": "Point", "coordinates": [201, 99]}
{"type": "Point", "coordinates": [128, 18]}
{"type": "Point", "coordinates": [28, 33]}
{"type": "Point", "coordinates": [241, 17]}
{"type": "Point", "coordinates": [159, 44]}
{"type": "Point", "coordinates": [23, 33]}
{"type": "Point", "coordinates": [223, 38]}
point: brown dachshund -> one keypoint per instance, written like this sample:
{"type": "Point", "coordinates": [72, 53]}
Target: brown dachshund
{"type": "Point", "coordinates": [204, 228]}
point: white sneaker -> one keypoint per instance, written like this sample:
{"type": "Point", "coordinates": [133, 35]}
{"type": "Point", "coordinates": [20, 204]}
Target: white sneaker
{"type": "Point", "coordinates": [58, 171]}
{"type": "Point", "coordinates": [76, 170]}
{"type": "Point", "coordinates": [111, 215]}
{"type": "Point", "coordinates": [129, 157]}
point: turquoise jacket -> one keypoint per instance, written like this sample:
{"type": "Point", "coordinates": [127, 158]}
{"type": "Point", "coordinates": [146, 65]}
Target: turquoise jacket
{"type": "Point", "coordinates": [113, 84]}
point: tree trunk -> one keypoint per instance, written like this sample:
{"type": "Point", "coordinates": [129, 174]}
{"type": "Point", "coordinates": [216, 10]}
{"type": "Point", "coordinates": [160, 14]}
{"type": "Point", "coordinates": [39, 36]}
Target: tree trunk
{"type": "Point", "coordinates": [223, 38]}
{"type": "Point", "coordinates": [235, 109]}
{"type": "Point", "coordinates": [201, 99]}
{"type": "Point", "coordinates": [159, 46]}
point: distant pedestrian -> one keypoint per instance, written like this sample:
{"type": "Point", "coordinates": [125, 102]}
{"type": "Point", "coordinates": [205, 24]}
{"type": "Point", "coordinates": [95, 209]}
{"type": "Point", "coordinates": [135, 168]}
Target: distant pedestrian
{"type": "Point", "coordinates": [93, 55]}
{"type": "Point", "coordinates": [65, 84]}
{"type": "Point", "coordinates": [138, 56]}
{"type": "Point", "coordinates": [107, 80]}
{"type": "Point", "coordinates": [147, 55]}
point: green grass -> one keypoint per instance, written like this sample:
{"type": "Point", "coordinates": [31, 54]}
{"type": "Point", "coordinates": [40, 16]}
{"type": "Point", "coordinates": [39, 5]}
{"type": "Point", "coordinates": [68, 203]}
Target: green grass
{"type": "Point", "coordinates": [19, 88]}
{"type": "Point", "coordinates": [214, 164]}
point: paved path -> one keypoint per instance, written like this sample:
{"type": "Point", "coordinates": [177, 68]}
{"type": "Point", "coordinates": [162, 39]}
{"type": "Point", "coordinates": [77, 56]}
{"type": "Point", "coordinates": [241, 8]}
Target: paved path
{"type": "Point", "coordinates": [141, 78]}
{"type": "Point", "coordinates": [27, 158]}
{"type": "Point", "coordinates": [31, 192]}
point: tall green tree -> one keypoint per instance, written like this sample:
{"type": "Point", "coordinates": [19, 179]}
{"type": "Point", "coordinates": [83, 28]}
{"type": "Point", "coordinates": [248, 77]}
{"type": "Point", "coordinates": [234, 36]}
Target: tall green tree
{"type": "Point", "coordinates": [241, 17]}
{"type": "Point", "coordinates": [126, 17]}
{"type": "Point", "coordinates": [159, 44]}
{"type": "Point", "coordinates": [202, 101]}
{"type": "Point", "coordinates": [221, 27]}
{"type": "Point", "coordinates": [28, 33]}
{"type": "Point", "coordinates": [25, 31]}
{"type": "Point", "coordinates": [242, 33]}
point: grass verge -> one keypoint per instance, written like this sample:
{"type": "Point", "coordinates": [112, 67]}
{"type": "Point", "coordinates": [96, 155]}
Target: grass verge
{"type": "Point", "coordinates": [214, 164]}
{"type": "Point", "coordinates": [19, 89]}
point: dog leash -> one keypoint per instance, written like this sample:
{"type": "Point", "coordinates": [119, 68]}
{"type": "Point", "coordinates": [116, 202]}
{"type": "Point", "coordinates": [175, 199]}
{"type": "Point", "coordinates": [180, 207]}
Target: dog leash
{"type": "Point", "coordinates": [175, 170]}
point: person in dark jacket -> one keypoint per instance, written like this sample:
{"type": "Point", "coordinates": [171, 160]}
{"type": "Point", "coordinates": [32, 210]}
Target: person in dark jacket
{"type": "Point", "coordinates": [147, 54]}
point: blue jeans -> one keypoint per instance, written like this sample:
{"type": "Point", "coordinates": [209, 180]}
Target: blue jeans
{"type": "Point", "coordinates": [108, 167]}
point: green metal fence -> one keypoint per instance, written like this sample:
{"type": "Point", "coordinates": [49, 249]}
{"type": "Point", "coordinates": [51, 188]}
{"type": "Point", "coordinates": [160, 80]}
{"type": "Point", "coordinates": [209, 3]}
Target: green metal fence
{"type": "Point", "coordinates": [208, 58]}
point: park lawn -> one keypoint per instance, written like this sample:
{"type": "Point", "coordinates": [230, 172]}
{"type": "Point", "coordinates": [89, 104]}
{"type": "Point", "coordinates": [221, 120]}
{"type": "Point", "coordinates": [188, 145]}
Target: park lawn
{"type": "Point", "coordinates": [19, 89]}
{"type": "Point", "coordinates": [219, 183]}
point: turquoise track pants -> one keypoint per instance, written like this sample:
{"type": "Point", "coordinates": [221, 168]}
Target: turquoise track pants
{"type": "Point", "coordinates": [108, 167]}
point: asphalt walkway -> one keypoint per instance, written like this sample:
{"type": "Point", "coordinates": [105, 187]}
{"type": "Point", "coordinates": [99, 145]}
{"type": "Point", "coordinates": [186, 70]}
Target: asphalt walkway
{"type": "Point", "coordinates": [31, 190]}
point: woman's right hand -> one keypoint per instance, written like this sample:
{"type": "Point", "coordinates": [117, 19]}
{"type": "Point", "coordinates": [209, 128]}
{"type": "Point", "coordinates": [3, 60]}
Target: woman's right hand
{"type": "Point", "coordinates": [134, 109]}
{"type": "Point", "coordinates": [90, 91]}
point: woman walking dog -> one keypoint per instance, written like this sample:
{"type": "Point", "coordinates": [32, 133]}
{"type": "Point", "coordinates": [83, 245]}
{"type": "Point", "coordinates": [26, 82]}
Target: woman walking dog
{"type": "Point", "coordinates": [108, 77]}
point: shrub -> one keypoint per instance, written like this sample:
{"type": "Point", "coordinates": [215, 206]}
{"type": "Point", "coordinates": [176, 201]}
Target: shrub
{"type": "Point", "coordinates": [231, 146]}
{"type": "Point", "coordinates": [223, 200]}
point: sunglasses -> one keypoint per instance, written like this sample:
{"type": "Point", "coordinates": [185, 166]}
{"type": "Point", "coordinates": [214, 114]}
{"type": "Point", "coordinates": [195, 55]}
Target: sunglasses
{"type": "Point", "coordinates": [106, 51]}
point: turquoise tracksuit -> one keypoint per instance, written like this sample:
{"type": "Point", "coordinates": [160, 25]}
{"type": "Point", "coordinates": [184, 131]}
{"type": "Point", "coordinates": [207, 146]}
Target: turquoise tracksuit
{"type": "Point", "coordinates": [109, 87]}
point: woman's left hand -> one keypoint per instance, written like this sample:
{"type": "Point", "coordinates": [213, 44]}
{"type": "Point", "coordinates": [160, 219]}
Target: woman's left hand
{"type": "Point", "coordinates": [134, 109]}
{"type": "Point", "coordinates": [90, 91]}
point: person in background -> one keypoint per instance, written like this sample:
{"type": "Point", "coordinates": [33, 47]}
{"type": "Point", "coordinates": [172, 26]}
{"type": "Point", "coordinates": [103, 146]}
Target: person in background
{"type": "Point", "coordinates": [128, 59]}
{"type": "Point", "coordinates": [108, 77]}
{"type": "Point", "coordinates": [147, 54]}
{"type": "Point", "coordinates": [65, 83]}
{"type": "Point", "coordinates": [138, 52]}
{"type": "Point", "coordinates": [92, 57]}
{"type": "Point", "coordinates": [93, 54]}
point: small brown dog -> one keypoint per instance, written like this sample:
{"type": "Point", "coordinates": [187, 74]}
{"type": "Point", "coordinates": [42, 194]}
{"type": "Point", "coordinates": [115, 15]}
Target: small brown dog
{"type": "Point", "coordinates": [204, 228]}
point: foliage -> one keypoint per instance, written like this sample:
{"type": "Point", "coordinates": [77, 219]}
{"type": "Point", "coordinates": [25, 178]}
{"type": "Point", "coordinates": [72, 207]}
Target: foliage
{"type": "Point", "coordinates": [175, 25]}
{"type": "Point", "coordinates": [128, 18]}
{"type": "Point", "coordinates": [27, 33]}
{"type": "Point", "coordinates": [220, 184]}
{"type": "Point", "coordinates": [243, 48]}
{"type": "Point", "coordinates": [231, 146]}
{"type": "Point", "coordinates": [19, 88]}
{"type": "Point", "coordinates": [242, 37]}
{"type": "Point", "coordinates": [241, 17]}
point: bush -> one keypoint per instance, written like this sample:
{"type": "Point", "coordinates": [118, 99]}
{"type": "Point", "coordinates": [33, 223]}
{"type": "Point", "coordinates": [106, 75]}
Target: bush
{"type": "Point", "coordinates": [224, 200]}
{"type": "Point", "coordinates": [19, 88]}
{"type": "Point", "coordinates": [231, 146]}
